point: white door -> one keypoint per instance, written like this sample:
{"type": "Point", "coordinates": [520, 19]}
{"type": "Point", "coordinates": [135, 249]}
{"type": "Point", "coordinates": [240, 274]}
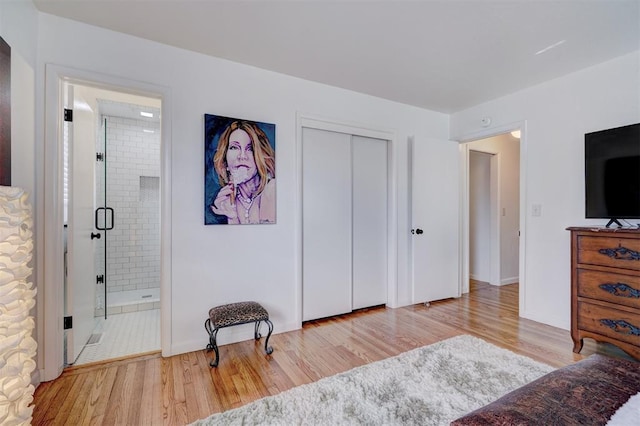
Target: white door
{"type": "Point", "coordinates": [81, 278]}
{"type": "Point", "coordinates": [435, 222]}
{"type": "Point", "coordinates": [326, 227]}
{"type": "Point", "coordinates": [369, 221]}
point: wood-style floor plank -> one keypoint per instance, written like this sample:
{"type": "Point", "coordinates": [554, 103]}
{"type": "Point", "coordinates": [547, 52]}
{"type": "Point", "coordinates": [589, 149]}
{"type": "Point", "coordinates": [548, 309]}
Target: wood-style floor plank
{"type": "Point", "coordinates": [151, 390]}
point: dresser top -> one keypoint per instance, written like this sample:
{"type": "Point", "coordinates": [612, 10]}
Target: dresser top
{"type": "Point", "coordinates": [625, 230]}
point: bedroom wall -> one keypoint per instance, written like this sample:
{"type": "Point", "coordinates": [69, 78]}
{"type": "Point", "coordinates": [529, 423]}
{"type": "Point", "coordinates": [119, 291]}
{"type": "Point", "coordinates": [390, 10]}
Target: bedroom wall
{"type": "Point", "coordinates": [212, 265]}
{"type": "Point", "coordinates": [558, 113]}
{"type": "Point", "coordinates": [19, 28]}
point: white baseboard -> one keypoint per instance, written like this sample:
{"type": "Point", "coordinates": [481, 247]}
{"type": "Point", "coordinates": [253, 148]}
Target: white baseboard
{"type": "Point", "coordinates": [503, 281]}
{"type": "Point", "coordinates": [511, 280]}
{"type": "Point", "coordinates": [477, 278]}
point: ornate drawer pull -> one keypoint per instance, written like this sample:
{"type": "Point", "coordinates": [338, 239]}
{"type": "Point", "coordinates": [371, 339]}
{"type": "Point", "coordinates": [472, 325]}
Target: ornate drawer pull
{"type": "Point", "coordinates": [621, 253]}
{"type": "Point", "coordinates": [621, 326]}
{"type": "Point", "coordinates": [621, 289]}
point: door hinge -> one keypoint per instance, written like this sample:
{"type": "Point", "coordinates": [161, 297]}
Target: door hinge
{"type": "Point", "coordinates": [68, 323]}
{"type": "Point", "coordinates": [100, 279]}
{"type": "Point", "coordinates": [99, 156]}
{"type": "Point", "coordinates": [68, 115]}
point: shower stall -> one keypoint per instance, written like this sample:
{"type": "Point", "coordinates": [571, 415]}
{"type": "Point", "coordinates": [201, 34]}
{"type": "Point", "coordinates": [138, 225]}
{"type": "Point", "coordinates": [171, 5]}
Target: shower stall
{"type": "Point", "coordinates": [127, 208]}
{"type": "Point", "coordinates": [111, 213]}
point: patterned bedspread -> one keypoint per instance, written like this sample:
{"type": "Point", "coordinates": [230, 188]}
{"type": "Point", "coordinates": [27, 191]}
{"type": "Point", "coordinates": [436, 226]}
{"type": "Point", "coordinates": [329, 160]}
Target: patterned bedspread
{"type": "Point", "coordinates": [588, 392]}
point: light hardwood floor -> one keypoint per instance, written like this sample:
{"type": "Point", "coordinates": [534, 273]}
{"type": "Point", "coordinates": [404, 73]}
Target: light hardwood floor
{"type": "Point", "coordinates": [178, 390]}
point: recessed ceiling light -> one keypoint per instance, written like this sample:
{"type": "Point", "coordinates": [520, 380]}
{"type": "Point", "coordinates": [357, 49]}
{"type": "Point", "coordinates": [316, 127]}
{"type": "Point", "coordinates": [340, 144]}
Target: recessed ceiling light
{"type": "Point", "coordinates": [516, 134]}
{"type": "Point", "coordinates": [554, 45]}
{"type": "Point", "coordinates": [146, 114]}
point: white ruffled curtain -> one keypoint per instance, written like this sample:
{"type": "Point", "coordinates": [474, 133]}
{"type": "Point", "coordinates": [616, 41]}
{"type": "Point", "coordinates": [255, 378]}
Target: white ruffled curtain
{"type": "Point", "coordinates": [17, 297]}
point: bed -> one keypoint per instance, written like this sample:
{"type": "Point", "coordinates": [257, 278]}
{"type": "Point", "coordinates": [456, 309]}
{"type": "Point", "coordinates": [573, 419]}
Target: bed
{"type": "Point", "coordinates": [588, 392]}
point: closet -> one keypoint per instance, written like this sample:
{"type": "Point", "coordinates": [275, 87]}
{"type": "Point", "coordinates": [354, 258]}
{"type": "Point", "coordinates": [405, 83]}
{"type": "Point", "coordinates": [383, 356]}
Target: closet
{"type": "Point", "coordinates": [344, 222]}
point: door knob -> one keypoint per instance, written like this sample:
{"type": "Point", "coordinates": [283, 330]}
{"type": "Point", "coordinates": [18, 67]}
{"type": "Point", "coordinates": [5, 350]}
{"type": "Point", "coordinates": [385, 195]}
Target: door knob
{"type": "Point", "coordinates": [95, 235]}
{"type": "Point", "coordinates": [417, 231]}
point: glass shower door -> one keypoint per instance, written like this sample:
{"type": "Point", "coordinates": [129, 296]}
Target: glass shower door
{"type": "Point", "coordinates": [104, 218]}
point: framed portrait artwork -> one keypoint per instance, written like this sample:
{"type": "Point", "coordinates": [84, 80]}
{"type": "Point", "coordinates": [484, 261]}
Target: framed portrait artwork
{"type": "Point", "coordinates": [5, 113]}
{"type": "Point", "coordinates": [239, 171]}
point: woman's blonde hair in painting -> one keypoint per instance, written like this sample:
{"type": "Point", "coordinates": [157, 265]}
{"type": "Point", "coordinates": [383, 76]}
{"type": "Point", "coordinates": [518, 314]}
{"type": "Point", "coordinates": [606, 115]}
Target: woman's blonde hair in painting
{"type": "Point", "coordinates": [263, 153]}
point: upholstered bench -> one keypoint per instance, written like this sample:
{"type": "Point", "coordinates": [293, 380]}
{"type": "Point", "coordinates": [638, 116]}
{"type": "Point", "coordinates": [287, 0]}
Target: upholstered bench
{"type": "Point", "coordinates": [236, 314]}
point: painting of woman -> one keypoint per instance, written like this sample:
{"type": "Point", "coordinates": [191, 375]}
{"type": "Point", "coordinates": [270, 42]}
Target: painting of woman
{"type": "Point", "coordinates": [240, 186]}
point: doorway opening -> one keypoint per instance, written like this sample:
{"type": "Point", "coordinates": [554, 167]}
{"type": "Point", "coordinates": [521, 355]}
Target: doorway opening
{"type": "Point", "coordinates": [493, 218]}
{"type": "Point", "coordinates": [111, 212]}
{"type": "Point", "coordinates": [483, 217]}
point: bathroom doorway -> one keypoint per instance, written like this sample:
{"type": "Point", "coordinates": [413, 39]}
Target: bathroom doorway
{"type": "Point", "coordinates": [112, 223]}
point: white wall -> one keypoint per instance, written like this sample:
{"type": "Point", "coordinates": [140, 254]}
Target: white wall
{"type": "Point", "coordinates": [19, 28]}
{"type": "Point", "coordinates": [212, 265]}
{"type": "Point", "coordinates": [558, 113]}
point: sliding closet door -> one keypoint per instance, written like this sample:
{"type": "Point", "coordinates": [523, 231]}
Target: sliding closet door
{"type": "Point", "coordinates": [369, 221]}
{"type": "Point", "coordinates": [326, 227]}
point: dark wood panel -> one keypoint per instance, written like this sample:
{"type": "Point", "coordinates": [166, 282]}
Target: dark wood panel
{"type": "Point", "coordinates": [608, 321]}
{"type": "Point", "coordinates": [605, 303]}
{"type": "Point", "coordinates": [621, 251]}
{"type": "Point", "coordinates": [621, 289]}
{"type": "Point", "coordinates": [5, 113]}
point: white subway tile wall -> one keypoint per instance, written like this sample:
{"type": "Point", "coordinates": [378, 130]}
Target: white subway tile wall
{"type": "Point", "coordinates": [133, 175]}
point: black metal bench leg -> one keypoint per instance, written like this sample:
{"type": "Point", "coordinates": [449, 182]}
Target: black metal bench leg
{"type": "Point", "coordinates": [268, 349]}
{"type": "Point", "coordinates": [256, 333]}
{"type": "Point", "coordinates": [212, 346]}
{"type": "Point", "coordinates": [212, 339]}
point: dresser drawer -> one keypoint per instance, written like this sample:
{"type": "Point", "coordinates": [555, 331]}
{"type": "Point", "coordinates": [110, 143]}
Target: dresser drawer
{"type": "Point", "coordinates": [609, 251]}
{"type": "Point", "coordinates": [615, 288]}
{"type": "Point", "coordinates": [610, 322]}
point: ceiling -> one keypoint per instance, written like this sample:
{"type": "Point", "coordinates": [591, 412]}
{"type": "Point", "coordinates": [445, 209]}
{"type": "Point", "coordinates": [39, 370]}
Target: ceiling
{"type": "Point", "coordinates": [445, 55]}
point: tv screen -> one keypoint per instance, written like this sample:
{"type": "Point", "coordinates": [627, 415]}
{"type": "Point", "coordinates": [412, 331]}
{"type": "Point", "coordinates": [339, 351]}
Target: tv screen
{"type": "Point", "coordinates": [612, 173]}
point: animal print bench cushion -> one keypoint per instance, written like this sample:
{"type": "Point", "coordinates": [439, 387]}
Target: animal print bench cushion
{"type": "Point", "coordinates": [237, 313]}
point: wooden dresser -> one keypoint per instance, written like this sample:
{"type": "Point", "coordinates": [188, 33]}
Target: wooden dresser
{"type": "Point", "coordinates": [605, 287]}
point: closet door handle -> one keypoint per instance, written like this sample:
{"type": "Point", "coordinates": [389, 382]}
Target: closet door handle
{"type": "Point", "coordinates": [417, 231]}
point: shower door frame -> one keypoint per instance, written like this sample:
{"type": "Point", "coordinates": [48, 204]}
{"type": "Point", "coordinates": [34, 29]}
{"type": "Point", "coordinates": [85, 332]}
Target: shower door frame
{"type": "Point", "coordinates": [50, 195]}
{"type": "Point", "coordinates": [101, 157]}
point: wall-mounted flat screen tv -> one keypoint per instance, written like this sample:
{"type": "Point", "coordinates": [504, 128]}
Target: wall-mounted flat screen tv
{"type": "Point", "coordinates": [612, 173]}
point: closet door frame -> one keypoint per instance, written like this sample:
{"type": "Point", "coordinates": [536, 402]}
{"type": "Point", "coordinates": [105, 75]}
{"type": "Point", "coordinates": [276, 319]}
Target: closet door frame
{"type": "Point", "coordinates": [320, 123]}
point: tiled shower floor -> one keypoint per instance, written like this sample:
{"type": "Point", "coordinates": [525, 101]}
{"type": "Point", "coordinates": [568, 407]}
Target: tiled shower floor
{"type": "Point", "coordinates": [123, 334]}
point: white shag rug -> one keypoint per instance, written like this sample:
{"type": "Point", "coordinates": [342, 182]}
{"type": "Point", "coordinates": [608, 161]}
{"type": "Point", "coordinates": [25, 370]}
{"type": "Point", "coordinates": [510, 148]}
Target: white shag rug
{"type": "Point", "coordinates": [432, 385]}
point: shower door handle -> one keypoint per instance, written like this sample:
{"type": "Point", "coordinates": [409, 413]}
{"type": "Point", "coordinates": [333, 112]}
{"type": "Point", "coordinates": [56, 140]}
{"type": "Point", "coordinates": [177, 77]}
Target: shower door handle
{"type": "Point", "coordinates": [105, 227]}
{"type": "Point", "coordinates": [109, 209]}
